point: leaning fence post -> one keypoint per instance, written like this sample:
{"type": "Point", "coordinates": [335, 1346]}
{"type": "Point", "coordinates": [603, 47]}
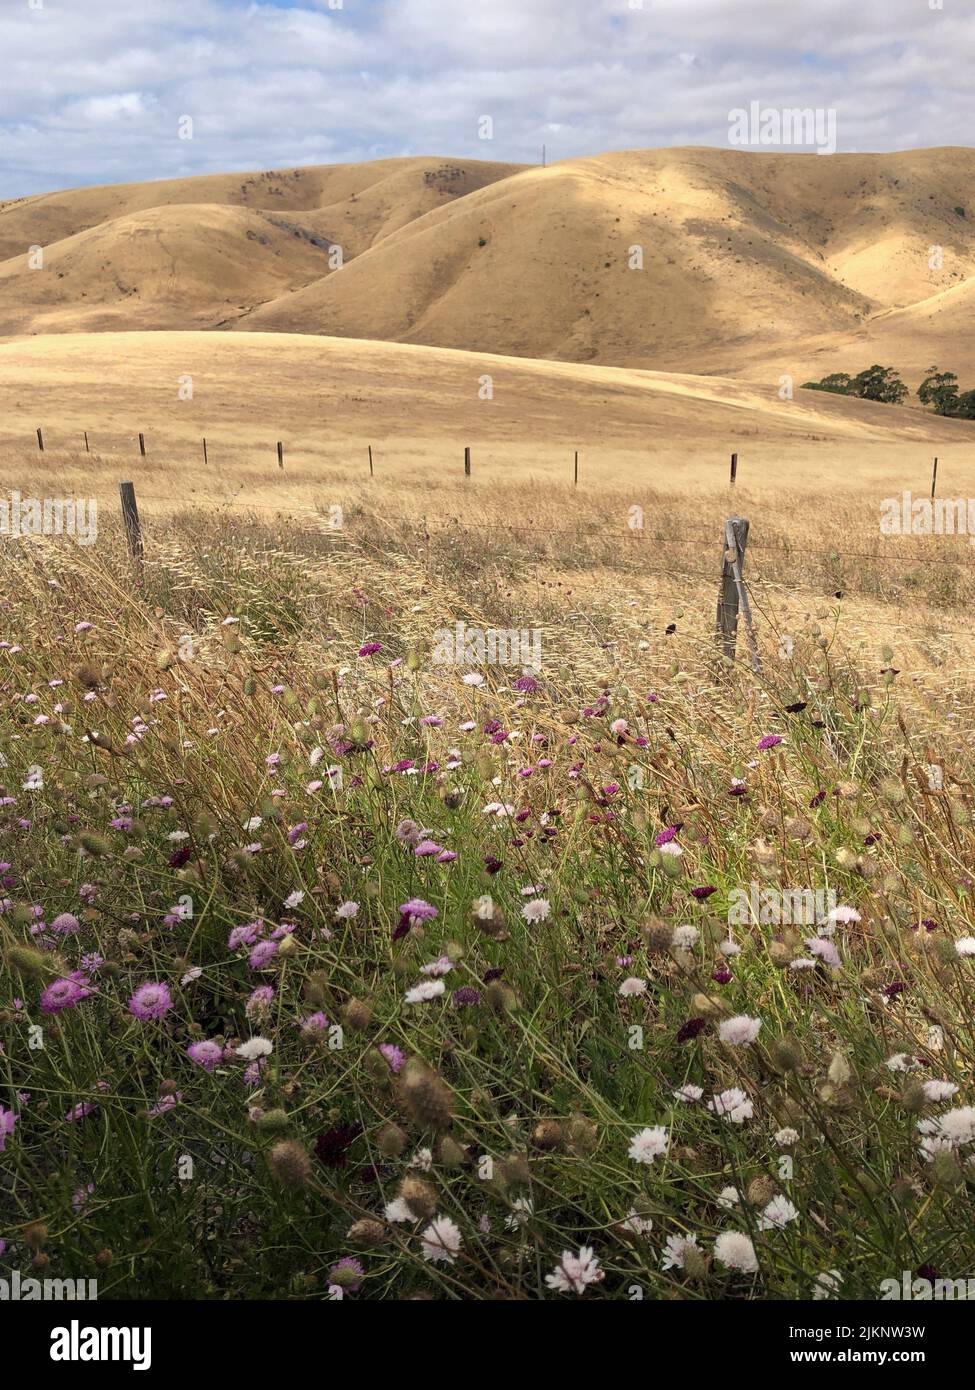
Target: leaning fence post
{"type": "Point", "coordinates": [370, 461]}
{"type": "Point", "coordinates": [142, 445]}
{"type": "Point", "coordinates": [206, 456]}
{"type": "Point", "coordinates": [467, 462]}
{"type": "Point", "coordinates": [280, 454]}
{"type": "Point", "coordinates": [130, 515]}
{"type": "Point", "coordinates": [87, 450]}
{"type": "Point", "coordinates": [40, 440]}
{"type": "Point", "coordinates": [732, 593]}
{"type": "Point", "coordinates": [934, 479]}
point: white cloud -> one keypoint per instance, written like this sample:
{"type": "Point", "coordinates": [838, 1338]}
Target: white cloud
{"type": "Point", "coordinates": [93, 92]}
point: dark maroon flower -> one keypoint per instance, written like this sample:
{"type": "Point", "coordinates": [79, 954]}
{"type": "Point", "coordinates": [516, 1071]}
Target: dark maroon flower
{"type": "Point", "coordinates": [817, 800]}
{"type": "Point", "coordinates": [491, 864]}
{"type": "Point", "coordinates": [403, 928]}
{"type": "Point", "coordinates": [926, 1272]}
{"type": "Point", "coordinates": [703, 892]}
{"type": "Point", "coordinates": [180, 857]}
{"type": "Point", "coordinates": [466, 995]}
{"type": "Point", "coordinates": [528, 685]}
{"type": "Point", "coordinates": [494, 973]}
{"type": "Point", "coordinates": [332, 1146]}
{"type": "Point", "coordinates": [927, 923]}
{"type": "Point", "coordinates": [690, 1030]}
{"type": "Point", "coordinates": [897, 987]}
{"type": "Point", "coordinates": [722, 976]}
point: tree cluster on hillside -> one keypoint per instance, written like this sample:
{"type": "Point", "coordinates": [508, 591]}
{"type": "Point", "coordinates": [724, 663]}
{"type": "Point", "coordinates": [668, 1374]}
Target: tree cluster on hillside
{"type": "Point", "coordinates": [938, 389]}
{"type": "Point", "coordinates": [875, 384]}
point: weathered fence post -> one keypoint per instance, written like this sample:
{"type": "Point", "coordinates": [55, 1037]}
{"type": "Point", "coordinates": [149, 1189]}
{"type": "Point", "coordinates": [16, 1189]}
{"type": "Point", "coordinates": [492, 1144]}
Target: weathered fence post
{"type": "Point", "coordinates": [280, 454]}
{"type": "Point", "coordinates": [732, 593]}
{"type": "Point", "coordinates": [40, 440]}
{"type": "Point", "coordinates": [934, 479]}
{"type": "Point", "coordinates": [206, 457]}
{"type": "Point", "coordinates": [467, 462]}
{"type": "Point", "coordinates": [734, 469]}
{"type": "Point", "coordinates": [142, 445]}
{"type": "Point", "coordinates": [370, 461]}
{"type": "Point", "coordinates": [577, 469]}
{"type": "Point", "coordinates": [130, 515]}
{"type": "Point", "coordinates": [87, 450]}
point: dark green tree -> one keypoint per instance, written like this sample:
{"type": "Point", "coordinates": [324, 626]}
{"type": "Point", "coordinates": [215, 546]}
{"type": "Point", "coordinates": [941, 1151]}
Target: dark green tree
{"type": "Point", "coordinates": [939, 390]}
{"type": "Point", "coordinates": [879, 384]}
{"type": "Point", "coordinates": [838, 382]}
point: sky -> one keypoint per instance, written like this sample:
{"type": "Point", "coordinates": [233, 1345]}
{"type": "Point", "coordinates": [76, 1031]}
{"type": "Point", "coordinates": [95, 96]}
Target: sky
{"type": "Point", "coordinates": [98, 91]}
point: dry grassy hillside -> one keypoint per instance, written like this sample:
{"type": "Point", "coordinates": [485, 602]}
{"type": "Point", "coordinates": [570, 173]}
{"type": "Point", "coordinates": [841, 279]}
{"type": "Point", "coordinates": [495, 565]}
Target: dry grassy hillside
{"type": "Point", "coordinates": [748, 259]}
{"type": "Point", "coordinates": [737, 249]}
{"type": "Point", "coordinates": [938, 330]}
{"type": "Point", "coordinates": [186, 252]}
{"type": "Point", "coordinates": [327, 399]}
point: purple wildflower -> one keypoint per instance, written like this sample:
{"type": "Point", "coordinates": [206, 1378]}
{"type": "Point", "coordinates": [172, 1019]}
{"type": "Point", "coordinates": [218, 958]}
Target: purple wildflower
{"type": "Point", "coordinates": [394, 1056]}
{"type": "Point", "coordinates": [205, 1054]}
{"type": "Point", "coordinates": [466, 995]}
{"type": "Point", "coordinates": [150, 1001]}
{"type": "Point", "coordinates": [8, 1121]}
{"type": "Point", "coordinates": [62, 994]}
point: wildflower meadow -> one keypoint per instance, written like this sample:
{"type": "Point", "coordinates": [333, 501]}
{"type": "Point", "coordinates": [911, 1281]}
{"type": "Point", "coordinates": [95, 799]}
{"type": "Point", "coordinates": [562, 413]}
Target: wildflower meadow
{"type": "Point", "coordinates": [333, 968]}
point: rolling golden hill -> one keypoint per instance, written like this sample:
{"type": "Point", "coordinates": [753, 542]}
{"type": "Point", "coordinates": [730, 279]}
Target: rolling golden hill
{"type": "Point", "coordinates": [702, 260]}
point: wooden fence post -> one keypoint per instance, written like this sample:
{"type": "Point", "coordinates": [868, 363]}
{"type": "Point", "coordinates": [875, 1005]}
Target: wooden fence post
{"type": "Point", "coordinates": [370, 461]}
{"type": "Point", "coordinates": [206, 457]}
{"type": "Point", "coordinates": [130, 515]}
{"type": "Point", "coordinates": [280, 454]}
{"type": "Point", "coordinates": [40, 440]}
{"type": "Point", "coordinates": [142, 445]}
{"type": "Point", "coordinates": [732, 594]}
{"type": "Point", "coordinates": [87, 450]}
{"type": "Point", "coordinates": [734, 469]}
{"type": "Point", "coordinates": [467, 462]}
{"type": "Point", "coordinates": [934, 479]}
{"type": "Point", "coordinates": [577, 469]}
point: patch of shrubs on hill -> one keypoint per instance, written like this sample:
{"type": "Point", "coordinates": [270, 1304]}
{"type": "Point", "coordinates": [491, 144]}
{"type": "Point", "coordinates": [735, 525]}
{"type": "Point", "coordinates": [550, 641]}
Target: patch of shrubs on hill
{"type": "Point", "coordinates": [938, 390]}
{"type": "Point", "coordinates": [875, 384]}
